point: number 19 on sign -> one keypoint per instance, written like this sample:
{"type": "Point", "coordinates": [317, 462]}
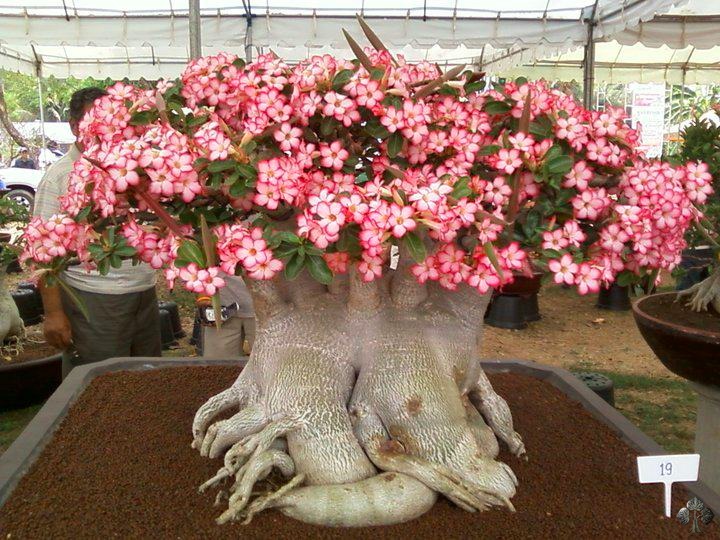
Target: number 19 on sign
{"type": "Point", "coordinates": [666, 470]}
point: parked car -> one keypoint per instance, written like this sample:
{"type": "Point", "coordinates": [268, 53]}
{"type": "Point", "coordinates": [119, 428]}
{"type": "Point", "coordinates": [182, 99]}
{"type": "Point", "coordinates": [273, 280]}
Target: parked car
{"type": "Point", "coordinates": [22, 184]}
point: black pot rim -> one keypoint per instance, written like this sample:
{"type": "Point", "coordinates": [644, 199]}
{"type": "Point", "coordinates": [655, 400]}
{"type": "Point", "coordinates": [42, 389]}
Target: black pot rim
{"type": "Point", "coordinates": [30, 363]}
{"type": "Point", "coordinates": [670, 327]}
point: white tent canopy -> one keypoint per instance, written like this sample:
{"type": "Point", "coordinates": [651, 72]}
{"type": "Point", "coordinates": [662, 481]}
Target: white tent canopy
{"type": "Point", "coordinates": [681, 47]}
{"type": "Point", "coordinates": [149, 38]}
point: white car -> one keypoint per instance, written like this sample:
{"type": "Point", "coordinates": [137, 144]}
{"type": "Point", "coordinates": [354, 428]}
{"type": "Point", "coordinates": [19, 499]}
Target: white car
{"type": "Point", "coordinates": [22, 184]}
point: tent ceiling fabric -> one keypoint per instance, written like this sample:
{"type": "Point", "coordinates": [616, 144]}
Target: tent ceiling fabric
{"type": "Point", "coordinates": [149, 38]}
{"type": "Point", "coordinates": [680, 47]}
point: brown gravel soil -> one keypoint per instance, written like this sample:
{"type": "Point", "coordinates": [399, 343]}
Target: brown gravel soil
{"type": "Point", "coordinates": [667, 309]}
{"type": "Point", "coordinates": [573, 333]}
{"type": "Point", "coordinates": [121, 466]}
{"type": "Point", "coordinates": [32, 347]}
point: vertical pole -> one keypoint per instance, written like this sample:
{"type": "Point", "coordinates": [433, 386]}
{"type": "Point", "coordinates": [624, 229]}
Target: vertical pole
{"type": "Point", "coordinates": [589, 66]}
{"type": "Point", "coordinates": [248, 41]}
{"type": "Point", "coordinates": [194, 29]}
{"type": "Point", "coordinates": [42, 113]}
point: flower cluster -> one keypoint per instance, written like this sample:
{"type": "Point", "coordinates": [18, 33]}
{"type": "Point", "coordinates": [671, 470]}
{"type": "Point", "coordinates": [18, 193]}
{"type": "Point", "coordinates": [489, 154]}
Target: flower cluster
{"type": "Point", "coordinates": [336, 161]}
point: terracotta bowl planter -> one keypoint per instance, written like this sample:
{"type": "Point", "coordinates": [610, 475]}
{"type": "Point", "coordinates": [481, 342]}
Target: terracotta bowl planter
{"type": "Point", "coordinates": [688, 351]}
{"type": "Point", "coordinates": [29, 382]}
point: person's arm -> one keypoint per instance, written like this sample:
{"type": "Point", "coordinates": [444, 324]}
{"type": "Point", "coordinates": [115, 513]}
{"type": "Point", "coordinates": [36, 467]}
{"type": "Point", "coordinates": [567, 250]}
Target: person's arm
{"type": "Point", "coordinates": [56, 326]}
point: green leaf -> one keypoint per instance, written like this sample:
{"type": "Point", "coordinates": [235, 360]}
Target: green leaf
{"type": "Point", "coordinates": [341, 78]}
{"type": "Point", "coordinates": [541, 127]}
{"type": "Point", "coordinates": [115, 261]}
{"type": "Point", "coordinates": [490, 252]}
{"type": "Point", "coordinates": [283, 252]}
{"type": "Point", "coordinates": [238, 189]}
{"type": "Point", "coordinates": [520, 81]}
{"type": "Point", "coordinates": [489, 150]}
{"type": "Point", "coordinates": [496, 107]}
{"type": "Point", "coordinates": [220, 166]}
{"type": "Point", "coordinates": [111, 235]}
{"type": "Point", "coordinates": [360, 179]}
{"type": "Point", "coordinates": [142, 118]}
{"type": "Point", "coordinates": [476, 86]}
{"type": "Point", "coordinates": [395, 144]}
{"type": "Point", "coordinates": [376, 130]}
{"type": "Point", "coordinates": [83, 214]}
{"type": "Point", "coordinates": [377, 74]}
{"type": "Point", "coordinates": [287, 236]}
{"type": "Point", "coordinates": [559, 165]}
{"type": "Point", "coordinates": [104, 266]}
{"type": "Point", "coordinates": [239, 63]}
{"type": "Point", "coordinates": [626, 278]}
{"type": "Point", "coordinates": [551, 254]}
{"type": "Point", "coordinates": [319, 269]}
{"type": "Point", "coordinates": [125, 251]}
{"type": "Point", "coordinates": [194, 121]}
{"type": "Point", "coordinates": [327, 126]}
{"type": "Point", "coordinates": [191, 251]}
{"type": "Point", "coordinates": [247, 171]}
{"type": "Point", "coordinates": [415, 246]}
{"type": "Point", "coordinates": [294, 266]}
{"type": "Point", "coordinates": [462, 188]}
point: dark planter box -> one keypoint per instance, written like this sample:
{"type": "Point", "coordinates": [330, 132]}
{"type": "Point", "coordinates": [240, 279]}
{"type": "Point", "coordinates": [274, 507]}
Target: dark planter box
{"type": "Point", "coordinates": [25, 383]}
{"type": "Point", "coordinates": [17, 460]}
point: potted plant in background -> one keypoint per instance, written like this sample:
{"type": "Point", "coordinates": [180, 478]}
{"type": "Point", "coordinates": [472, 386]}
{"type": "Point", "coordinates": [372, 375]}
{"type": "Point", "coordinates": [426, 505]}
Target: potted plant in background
{"type": "Point", "coordinates": [700, 142]}
{"type": "Point", "coordinates": [29, 371]}
{"type": "Point", "coordinates": [683, 329]}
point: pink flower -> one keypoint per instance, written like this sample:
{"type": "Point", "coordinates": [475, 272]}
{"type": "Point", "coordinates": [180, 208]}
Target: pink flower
{"type": "Point", "coordinates": [400, 220]}
{"type": "Point", "coordinates": [587, 279]}
{"type": "Point", "coordinates": [201, 280]}
{"type": "Point", "coordinates": [333, 156]}
{"type": "Point", "coordinates": [564, 269]}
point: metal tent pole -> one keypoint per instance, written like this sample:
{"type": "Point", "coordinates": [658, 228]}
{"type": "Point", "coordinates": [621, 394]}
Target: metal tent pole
{"type": "Point", "coordinates": [194, 29]}
{"type": "Point", "coordinates": [42, 114]}
{"type": "Point", "coordinates": [589, 59]}
{"type": "Point", "coordinates": [248, 32]}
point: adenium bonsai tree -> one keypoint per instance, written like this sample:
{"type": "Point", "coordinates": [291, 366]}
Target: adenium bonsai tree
{"type": "Point", "coordinates": [11, 325]}
{"type": "Point", "coordinates": [371, 206]}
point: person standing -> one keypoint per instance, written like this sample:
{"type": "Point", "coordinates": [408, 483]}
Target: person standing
{"type": "Point", "coordinates": [122, 306]}
{"type": "Point", "coordinates": [229, 340]}
{"type": "Point", "coordinates": [24, 161]}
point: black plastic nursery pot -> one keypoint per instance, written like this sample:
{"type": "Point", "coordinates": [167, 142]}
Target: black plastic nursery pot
{"type": "Point", "coordinates": [25, 383]}
{"type": "Point", "coordinates": [172, 309]}
{"type": "Point", "coordinates": [507, 311]}
{"type": "Point", "coordinates": [29, 307]}
{"type": "Point", "coordinates": [614, 298]}
{"type": "Point", "coordinates": [167, 335]}
{"type": "Point", "coordinates": [695, 263]}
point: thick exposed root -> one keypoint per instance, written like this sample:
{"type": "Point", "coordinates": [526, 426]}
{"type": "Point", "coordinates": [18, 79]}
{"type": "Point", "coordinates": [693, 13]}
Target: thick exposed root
{"type": "Point", "coordinates": [241, 392]}
{"type": "Point", "coordinates": [497, 413]}
{"type": "Point", "coordinates": [225, 433]}
{"type": "Point", "coordinates": [383, 499]}
{"type": "Point", "coordinates": [704, 294]}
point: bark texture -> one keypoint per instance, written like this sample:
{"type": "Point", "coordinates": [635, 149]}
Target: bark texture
{"type": "Point", "coordinates": [11, 325]}
{"type": "Point", "coordinates": [369, 398]}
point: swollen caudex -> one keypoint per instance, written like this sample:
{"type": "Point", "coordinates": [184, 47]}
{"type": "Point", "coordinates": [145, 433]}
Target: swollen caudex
{"type": "Point", "coordinates": [345, 421]}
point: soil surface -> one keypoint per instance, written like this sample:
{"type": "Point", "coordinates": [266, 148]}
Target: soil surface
{"type": "Point", "coordinates": [121, 466]}
{"type": "Point", "coordinates": [667, 309]}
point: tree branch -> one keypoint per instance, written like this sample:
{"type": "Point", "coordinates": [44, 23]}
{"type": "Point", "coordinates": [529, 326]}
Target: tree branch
{"type": "Point", "coordinates": [7, 123]}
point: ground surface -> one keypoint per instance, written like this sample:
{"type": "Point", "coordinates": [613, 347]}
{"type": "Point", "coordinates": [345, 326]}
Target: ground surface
{"type": "Point", "coordinates": [572, 333]}
{"type": "Point", "coordinates": [119, 466]}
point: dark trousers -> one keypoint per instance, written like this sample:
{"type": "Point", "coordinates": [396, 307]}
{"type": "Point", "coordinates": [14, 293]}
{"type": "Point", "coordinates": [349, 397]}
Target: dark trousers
{"type": "Point", "coordinates": [119, 325]}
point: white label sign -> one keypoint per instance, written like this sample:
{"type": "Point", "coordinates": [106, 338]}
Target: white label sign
{"type": "Point", "coordinates": [666, 470]}
{"type": "Point", "coordinates": [648, 117]}
{"type": "Point", "coordinates": [394, 257]}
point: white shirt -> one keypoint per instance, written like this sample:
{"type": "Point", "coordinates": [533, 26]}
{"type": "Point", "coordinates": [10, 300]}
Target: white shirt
{"type": "Point", "coordinates": [126, 279]}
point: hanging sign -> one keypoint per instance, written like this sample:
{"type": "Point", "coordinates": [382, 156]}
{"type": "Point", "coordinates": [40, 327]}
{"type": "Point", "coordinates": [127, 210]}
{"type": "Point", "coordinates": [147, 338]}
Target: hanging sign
{"type": "Point", "coordinates": [648, 117]}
